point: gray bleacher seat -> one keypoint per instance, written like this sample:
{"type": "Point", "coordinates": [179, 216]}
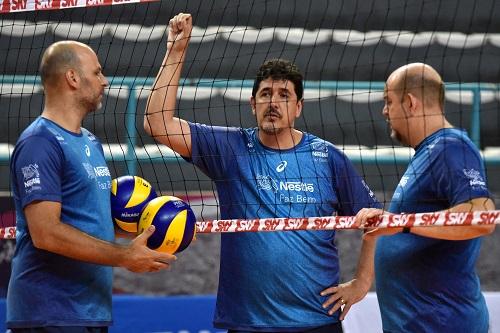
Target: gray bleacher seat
{"type": "Point", "coordinates": [225, 58]}
{"type": "Point", "coordinates": [328, 40]}
{"type": "Point", "coordinates": [490, 124]}
{"type": "Point", "coordinates": [20, 104]}
{"type": "Point", "coordinates": [463, 16]}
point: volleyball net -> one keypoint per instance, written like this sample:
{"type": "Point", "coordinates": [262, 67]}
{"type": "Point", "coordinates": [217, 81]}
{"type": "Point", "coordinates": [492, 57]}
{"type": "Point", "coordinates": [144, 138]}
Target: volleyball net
{"type": "Point", "coordinates": [345, 51]}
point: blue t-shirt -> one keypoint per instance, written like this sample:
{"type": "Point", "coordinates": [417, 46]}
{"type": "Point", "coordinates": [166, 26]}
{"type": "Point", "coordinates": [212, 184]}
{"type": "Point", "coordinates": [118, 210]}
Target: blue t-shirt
{"type": "Point", "coordinates": [272, 280]}
{"type": "Point", "coordinates": [426, 284]}
{"type": "Point", "coordinates": [47, 289]}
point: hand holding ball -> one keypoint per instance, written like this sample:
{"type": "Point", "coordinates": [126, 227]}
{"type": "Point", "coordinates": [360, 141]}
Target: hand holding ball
{"type": "Point", "coordinates": [174, 221]}
{"type": "Point", "coordinates": [135, 206]}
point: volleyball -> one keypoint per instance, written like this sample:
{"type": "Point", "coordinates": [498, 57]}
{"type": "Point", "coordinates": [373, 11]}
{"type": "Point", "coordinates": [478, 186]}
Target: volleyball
{"type": "Point", "coordinates": [174, 221]}
{"type": "Point", "coordinates": [129, 195]}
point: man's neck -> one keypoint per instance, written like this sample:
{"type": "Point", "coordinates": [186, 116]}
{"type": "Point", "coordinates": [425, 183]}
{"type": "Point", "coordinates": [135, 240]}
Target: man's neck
{"type": "Point", "coordinates": [286, 139]}
{"type": "Point", "coordinates": [430, 126]}
{"type": "Point", "coordinates": [63, 117]}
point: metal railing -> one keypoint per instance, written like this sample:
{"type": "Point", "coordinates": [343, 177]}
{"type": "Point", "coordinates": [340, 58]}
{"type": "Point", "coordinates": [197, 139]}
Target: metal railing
{"type": "Point", "coordinates": [132, 85]}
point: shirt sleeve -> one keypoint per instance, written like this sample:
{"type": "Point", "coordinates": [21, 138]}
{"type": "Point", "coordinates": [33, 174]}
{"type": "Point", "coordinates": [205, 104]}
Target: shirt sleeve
{"type": "Point", "coordinates": [353, 192]}
{"type": "Point", "coordinates": [461, 171]}
{"type": "Point", "coordinates": [211, 148]}
{"type": "Point", "coordinates": [37, 169]}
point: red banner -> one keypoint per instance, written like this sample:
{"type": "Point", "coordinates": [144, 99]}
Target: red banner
{"type": "Point", "coordinates": [437, 219]}
{"type": "Point", "coordinates": [12, 6]}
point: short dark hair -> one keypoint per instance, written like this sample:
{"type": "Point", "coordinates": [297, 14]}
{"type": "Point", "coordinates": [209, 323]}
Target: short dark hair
{"type": "Point", "coordinates": [56, 60]}
{"type": "Point", "coordinates": [280, 69]}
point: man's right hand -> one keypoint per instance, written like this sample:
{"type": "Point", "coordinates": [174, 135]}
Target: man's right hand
{"type": "Point", "coordinates": [179, 32]}
{"type": "Point", "coordinates": [142, 259]}
{"type": "Point", "coordinates": [363, 221]}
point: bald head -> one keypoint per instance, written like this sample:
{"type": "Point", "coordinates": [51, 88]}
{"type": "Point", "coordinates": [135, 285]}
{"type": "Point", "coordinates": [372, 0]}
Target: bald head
{"type": "Point", "coordinates": [420, 80]}
{"type": "Point", "coordinates": [58, 58]}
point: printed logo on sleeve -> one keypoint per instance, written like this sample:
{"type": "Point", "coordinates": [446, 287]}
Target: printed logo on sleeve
{"type": "Point", "coordinates": [91, 137]}
{"type": "Point", "coordinates": [31, 177]}
{"type": "Point", "coordinates": [319, 151]}
{"type": "Point", "coordinates": [475, 178]}
{"type": "Point", "coordinates": [404, 181]}
{"type": "Point", "coordinates": [58, 136]}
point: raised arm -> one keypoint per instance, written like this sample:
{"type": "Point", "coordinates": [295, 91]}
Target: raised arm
{"type": "Point", "coordinates": [159, 120]}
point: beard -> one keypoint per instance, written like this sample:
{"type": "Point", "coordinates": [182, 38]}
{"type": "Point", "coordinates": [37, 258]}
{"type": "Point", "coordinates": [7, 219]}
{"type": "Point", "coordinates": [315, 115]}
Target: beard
{"type": "Point", "coordinates": [269, 126]}
{"type": "Point", "coordinates": [91, 99]}
{"type": "Point", "coordinates": [92, 102]}
{"type": "Point", "coordinates": [91, 105]}
{"type": "Point", "coordinates": [395, 135]}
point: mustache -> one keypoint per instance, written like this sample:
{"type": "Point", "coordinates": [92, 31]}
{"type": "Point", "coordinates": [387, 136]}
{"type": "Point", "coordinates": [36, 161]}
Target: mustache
{"type": "Point", "coordinates": [272, 113]}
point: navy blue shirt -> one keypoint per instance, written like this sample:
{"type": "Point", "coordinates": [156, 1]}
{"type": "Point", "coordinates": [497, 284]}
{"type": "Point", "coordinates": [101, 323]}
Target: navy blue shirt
{"type": "Point", "coordinates": [426, 284]}
{"type": "Point", "coordinates": [272, 280]}
{"type": "Point", "coordinates": [47, 289]}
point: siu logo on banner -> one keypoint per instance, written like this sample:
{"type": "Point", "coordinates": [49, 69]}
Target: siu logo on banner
{"type": "Point", "coordinates": [9, 6]}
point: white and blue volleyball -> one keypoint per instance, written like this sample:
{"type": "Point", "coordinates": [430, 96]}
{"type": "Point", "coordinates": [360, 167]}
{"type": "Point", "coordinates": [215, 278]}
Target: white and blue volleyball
{"type": "Point", "coordinates": [129, 195]}
{"type": "Point", "coordinates": [174, 221]}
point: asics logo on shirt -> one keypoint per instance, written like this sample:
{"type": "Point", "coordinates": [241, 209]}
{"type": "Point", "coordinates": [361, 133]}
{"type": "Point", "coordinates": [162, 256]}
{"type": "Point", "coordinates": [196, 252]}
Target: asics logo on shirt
{"type": "Point", "coordinates": [87, 151]}
{"type": "Point", "coordinates": [281, 166]}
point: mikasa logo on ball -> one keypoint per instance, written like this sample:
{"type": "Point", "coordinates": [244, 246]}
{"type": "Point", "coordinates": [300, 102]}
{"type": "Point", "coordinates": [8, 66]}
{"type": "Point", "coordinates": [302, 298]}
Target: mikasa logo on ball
{"type": "Point", "coordinates": [129, 215]}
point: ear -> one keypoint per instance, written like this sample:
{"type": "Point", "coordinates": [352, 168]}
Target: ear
{"type": "Point", "coordinates": [252, 104]}
{"type": "Point", "coordinates": [72, 78]}
{"type": "Point", "coordinates": [300, 105]}
{"type": "Point", "coordinates": [414, 103]}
